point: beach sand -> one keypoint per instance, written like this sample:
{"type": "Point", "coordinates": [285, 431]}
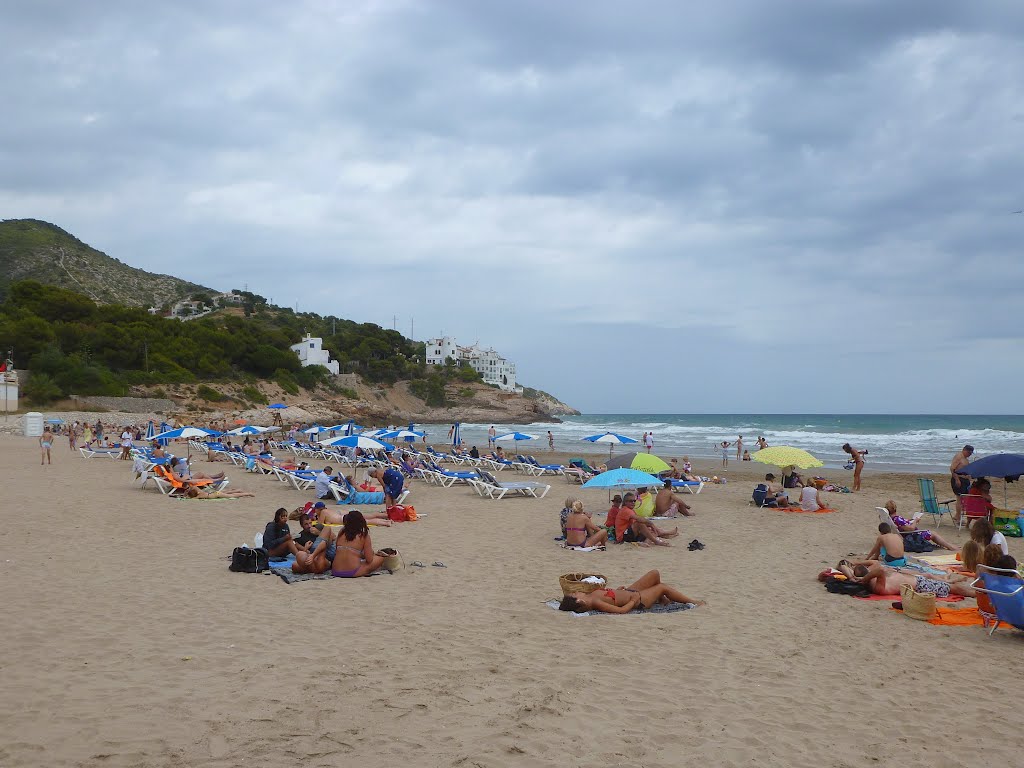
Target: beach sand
{"type": "Point", "coordinates": [129, 643]}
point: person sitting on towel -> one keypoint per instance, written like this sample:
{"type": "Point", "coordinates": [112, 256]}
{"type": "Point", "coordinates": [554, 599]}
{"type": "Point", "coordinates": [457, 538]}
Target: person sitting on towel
{"type": "Point", "coordinates": [308, 535]}
{"type": "Point", "coordinates": [910, 526]}
{"type": "Point", "coordinates": [355, 556]}
{"type": "Point", "coordinates": [644, 503]}
{"type": "Point", "coordinates": [668, 504]}
{"type": "Point", "coordinates": [277, 537]}
{"type": "Point", "coordinates": [810, 499]}
{"type": "Point", "coordinates": [629, 527]}
{"type": "Point", "coordinates": [642, 593]}
{"type": "Point", "coordinates": [580, 530]}
{"type": "Point", "coordinates": [882, 580]}
{"type": "Point", "coordinates": [888, 547]}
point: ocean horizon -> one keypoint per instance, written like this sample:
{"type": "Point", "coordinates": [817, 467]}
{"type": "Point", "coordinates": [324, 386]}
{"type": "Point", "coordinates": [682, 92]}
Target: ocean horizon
{"type": "Point", "coordinates": [895, 442]}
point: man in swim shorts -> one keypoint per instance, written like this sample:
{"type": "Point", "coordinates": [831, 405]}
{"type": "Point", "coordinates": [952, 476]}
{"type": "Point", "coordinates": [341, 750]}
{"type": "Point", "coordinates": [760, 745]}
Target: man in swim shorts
{"type": "Point", "coordinates": [882, 580]}
{"type": "Point", "coordinates": [960, 484]}
{"type": "Point", "coordinates": [392, 480]}
{"type": "Point", "coordinates": [667, 504]}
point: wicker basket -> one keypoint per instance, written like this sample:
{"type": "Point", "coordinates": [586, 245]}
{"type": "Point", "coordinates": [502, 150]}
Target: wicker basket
{"type": "Point", "coordinates": [573, 583]}
{"type": "Point", "coordinates": [392, 559]}
{"type": "Point", "coordinates": [917, 605]}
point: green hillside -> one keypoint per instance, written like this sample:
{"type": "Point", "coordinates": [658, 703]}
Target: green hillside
{"type": "Point", "coordinates": [36, 250]}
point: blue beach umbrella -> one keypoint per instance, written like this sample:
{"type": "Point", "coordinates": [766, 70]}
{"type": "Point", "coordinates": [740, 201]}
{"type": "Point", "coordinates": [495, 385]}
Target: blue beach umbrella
{"type": "Point", "coordinates": [276, 406]}
{"type": "Point", "coordinates": [1009, 466]}
{"type": "Point", "coordinates": [456, 434]}
{"type": "Point", "coordinates": [622, 478]}
{"type": "Point", "coordinates": [358, 441]}
{"type": "Point", "coordinates": [611, 438]}
{"type": "Point", "coordinates": [248, 429]}
{"type": "Point", "coordinates": [150, 430]}
{"type": "Point", "coordinates": [517, 436]}
{"type": "Point", "coordinates": [350, 427]}
{"type": "Point", "coordinates": [164, 426]}
{"type": "Point", "coordinates": [402, 434]}
{"type": "Point", "coordinates": [185, 433]}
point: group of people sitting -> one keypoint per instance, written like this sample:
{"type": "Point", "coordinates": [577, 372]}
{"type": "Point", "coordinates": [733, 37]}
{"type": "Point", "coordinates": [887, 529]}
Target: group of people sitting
{"type": "Point", "coordinates": [322, 547]}
{"type": "Point", "coordinates": [628, 519]}
{"type": "Point", "coordinates": [768, 494]}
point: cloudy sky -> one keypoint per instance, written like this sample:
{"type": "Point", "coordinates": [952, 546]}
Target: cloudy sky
{"type": "Point", "coordinates": [746, 206]}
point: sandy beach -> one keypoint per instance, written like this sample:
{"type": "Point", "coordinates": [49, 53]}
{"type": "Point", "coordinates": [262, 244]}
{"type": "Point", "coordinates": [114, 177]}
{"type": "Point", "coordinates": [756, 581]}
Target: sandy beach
{"type": "Point", "coordinates": [129, 643]}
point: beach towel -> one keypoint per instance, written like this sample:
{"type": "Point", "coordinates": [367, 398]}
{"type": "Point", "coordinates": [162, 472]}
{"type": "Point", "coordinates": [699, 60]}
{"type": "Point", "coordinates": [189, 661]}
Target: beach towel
{"type": "Point", "coordinates": [824, 511]}
{"type": "Point", "coordinates": [670, 608]}
{"type": "Point", "coordinates": [290, 578]}
{"type": "Point", "coordinates": [896, 598]}
{"type": "Point", "coordinates": [943, 558]}
{"type": "Point", "coordinates": [952, 617]}
{"type": "Point", "coordinates": [598, 548]}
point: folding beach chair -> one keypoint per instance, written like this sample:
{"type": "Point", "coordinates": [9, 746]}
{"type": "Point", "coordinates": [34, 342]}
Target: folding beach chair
{"type": "Point", "coordinates": [1005, 591]}
{"type": "Point", "coordinates": [929, 504]}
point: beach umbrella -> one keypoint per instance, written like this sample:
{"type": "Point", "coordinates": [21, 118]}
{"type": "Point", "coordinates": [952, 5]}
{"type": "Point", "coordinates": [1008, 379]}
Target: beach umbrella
{"type": "Point", "coordinates": [374, 432]}
{"type": "Point", "coordinates": [408, 435]}
{"type": "Point", "coordinates": [516, 436]}
{"type": "Point", "coordinates": [1009, 466]}
{"type": "Point", "coordinates": [645, 462]}
{"type": "Point", "coordinates": [350, 427]}
{"type": "Point", "coordinates": [456, 434]}
{"type": "Point", "coordinates": [611, 438]}
{"type": "Point", "coordinates": [276, 406]}
{"type": "Point", "coordinates": [622, 478]}
{"type": "Point", "coordinates": [150, 430]}
{"type": "Point", "coordinates": [786, 456]}
{"type": "Point", "coordinates": [164, 426]}
{"type": "Point", "coordinates": [247, 430]}
{"type": "Point", "coordinates": [316, 429]}
{"type": "Point", "coordinates": [184, 433]}
{"type": "Point", "coordinates": [358, 441]}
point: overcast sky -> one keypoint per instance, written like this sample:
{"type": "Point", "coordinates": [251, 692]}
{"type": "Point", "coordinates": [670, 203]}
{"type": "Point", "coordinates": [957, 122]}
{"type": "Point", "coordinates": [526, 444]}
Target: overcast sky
{"type": "Point", "coordinates": [744, 206]}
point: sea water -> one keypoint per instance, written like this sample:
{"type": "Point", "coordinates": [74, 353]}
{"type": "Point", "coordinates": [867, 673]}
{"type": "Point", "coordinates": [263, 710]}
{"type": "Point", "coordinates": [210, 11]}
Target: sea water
{"type": "Point", "coordinates": [911, 443]}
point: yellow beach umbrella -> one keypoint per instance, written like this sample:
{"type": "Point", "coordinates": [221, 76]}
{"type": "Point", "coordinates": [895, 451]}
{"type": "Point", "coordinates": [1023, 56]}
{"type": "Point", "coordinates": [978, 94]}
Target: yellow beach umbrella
{"type": "Point", "coordinates": [786, 456]}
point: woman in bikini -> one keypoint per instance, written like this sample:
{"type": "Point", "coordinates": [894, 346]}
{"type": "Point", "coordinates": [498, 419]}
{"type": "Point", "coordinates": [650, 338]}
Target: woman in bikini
{"type": "Point", "coordinates": [644, 592]}
{"type": "Point", "coordinates": [580, 530]}
{"type": "Point", "coordinates": [355, 556]}
{"type": "Point", "coordinates": [857, 458]}
{"type": "Point", "coordinates": [198, 493]}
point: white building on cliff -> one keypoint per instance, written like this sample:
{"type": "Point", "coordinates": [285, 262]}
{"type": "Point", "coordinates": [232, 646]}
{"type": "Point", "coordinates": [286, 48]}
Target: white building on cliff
{"type": "Point", "coordinates": [311, 352]}
{"type": "Point", "coordinates": [494, 368]}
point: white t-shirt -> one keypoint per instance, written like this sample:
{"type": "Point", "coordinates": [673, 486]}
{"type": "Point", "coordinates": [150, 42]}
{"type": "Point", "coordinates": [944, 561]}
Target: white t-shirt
{"type": "Point", "coordinates": [998, 538]}
{"type": "Point", "coordinates": [809, 499]}
{"type": "Point", "coordinates": [126, 438]}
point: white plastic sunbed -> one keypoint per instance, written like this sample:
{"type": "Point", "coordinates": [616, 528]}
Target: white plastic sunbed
{"type": "Point", "coordinates": [488, 486]}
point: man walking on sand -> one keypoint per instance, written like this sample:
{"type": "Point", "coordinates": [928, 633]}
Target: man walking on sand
{"type": "Point", "coordinates": [491, 434]}
{"type": "Point", "coordinates": [960, 484]}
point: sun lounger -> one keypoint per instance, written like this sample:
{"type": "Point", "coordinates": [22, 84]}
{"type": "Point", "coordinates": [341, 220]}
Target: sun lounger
{"type": "Point", "coordinates": [538, 469]}
{"type": "Point", "coordinates": [691, 486]}
{"type": "Point", "coordinates": [486, 485]}
{"type": "Point", "coordinates": [91, 453]}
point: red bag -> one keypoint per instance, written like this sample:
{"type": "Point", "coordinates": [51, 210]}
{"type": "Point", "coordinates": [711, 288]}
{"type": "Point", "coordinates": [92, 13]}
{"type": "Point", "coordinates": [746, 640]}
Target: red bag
{"type": "Point", "coordinates": [397, 513]}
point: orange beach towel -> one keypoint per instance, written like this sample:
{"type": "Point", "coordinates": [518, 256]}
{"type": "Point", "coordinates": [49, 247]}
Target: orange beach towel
{"type": "Point", "coordinates": [951, 617]}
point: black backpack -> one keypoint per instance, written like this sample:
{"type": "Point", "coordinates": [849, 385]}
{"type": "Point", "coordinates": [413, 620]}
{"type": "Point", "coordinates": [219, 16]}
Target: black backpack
{"type": "Point", "coordinates": [245, 560]}
{"type": "Point", "coordinates": [844, 587]}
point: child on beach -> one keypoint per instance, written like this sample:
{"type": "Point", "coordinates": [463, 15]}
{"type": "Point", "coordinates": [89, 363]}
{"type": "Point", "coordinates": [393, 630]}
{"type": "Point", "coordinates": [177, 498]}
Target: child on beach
{"type": "Point", "coordinates": [724, 448]}
{"type": "Point", "coordinates": [45, 443]}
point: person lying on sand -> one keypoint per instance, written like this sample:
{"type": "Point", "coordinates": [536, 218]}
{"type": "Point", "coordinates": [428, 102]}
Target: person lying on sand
{"type": "Point", "coordinates": [668, 504]}
{"type": "Point", "coordinates": [644, 592]}
{"type": "Point", "coordinates": [888, 547]}
{"type": "Point", "coordinates": [199, 493]}
{"type": "Point", "coordinates": [580, 530]}
{"type": "Point", "coordinates": [326, 516]}
{"type": "Point", "coordinates": [630, 527]}
{"type": "Point", "coordinates": [906, 526]}
{"type": "Point", "coordinates": [882, 580]}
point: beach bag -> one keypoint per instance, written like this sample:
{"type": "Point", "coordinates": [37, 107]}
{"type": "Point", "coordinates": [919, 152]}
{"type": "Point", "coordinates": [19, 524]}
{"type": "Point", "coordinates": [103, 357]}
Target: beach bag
{"type": "Point", "coordinates": [397, 513]}
{"type": "Point", "coordinates": [916, 605]}
{"type": "Point", "coordinates": [915, 542]}
{"type": "Point", "coordinates": [1008, 526]}
{"type": "Point", "coordinates": [392, 559]}
{"type": "Point", "coordinates": [247, 560]}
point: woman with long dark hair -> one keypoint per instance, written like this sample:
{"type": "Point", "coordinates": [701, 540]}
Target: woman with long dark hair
{"type": "Point", "coordinates": [355, 555]}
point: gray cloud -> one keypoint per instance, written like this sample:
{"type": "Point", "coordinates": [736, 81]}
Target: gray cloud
{"type": "Point", "coordinates": [823, 185]}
